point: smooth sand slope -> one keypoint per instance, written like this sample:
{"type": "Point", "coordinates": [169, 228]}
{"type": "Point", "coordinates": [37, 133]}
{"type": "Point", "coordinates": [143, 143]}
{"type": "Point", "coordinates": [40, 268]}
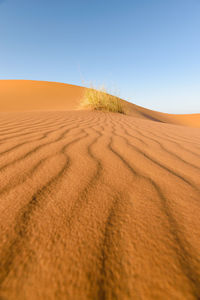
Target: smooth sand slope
{"type": "Point", "coordinates": [97, 205]}
{"type": "Point", "coordinates": [27, 95]}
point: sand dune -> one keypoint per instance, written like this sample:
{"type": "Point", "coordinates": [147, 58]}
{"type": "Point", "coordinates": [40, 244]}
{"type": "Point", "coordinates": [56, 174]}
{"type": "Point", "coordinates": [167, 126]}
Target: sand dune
{"type": "Point", "coordinates": [27, 95]}
{"type": "Point", "coordinates": [96, 205]}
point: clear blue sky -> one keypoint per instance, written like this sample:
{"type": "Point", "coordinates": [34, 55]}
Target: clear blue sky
{"type": "Point", "coordinates": [146, 50]}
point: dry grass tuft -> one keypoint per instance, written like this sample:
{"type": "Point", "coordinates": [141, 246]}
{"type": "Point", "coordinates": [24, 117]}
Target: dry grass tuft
{"type": "Point", "coordinates": [99, 99]}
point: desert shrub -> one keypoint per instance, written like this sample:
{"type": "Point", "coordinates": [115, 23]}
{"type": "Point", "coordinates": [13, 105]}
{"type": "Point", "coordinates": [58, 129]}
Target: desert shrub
{"type": "Point", "coordinates": [99, 99]}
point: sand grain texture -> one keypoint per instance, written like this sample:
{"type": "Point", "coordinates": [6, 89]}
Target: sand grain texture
{"type": "Point", "coordinates": [98, 205]}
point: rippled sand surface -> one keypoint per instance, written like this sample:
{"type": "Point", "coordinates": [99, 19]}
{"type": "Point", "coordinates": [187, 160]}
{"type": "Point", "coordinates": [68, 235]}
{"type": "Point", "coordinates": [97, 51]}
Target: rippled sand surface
{"type": "Point", "coordinates": [97, 206]}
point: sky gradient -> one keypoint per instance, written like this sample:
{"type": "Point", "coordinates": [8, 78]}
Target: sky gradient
{"type": "Point", "coordinates": [145, 51]}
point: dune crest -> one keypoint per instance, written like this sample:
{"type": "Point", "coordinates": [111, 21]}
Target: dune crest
{"type": "Point", "coordinates": [28, 95]}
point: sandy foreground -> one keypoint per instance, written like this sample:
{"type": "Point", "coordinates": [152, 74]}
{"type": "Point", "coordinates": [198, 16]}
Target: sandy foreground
{"type": "Point", "coordinates": [96, 205]}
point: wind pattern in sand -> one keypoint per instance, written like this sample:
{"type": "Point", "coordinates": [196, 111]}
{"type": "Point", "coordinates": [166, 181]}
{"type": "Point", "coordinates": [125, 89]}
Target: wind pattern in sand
{"type": "Point", "coordinates": [98, 206]}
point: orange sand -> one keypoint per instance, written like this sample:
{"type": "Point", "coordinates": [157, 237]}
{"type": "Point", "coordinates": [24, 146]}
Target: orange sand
{"type": "Point", "coordinates": [96, 205]}
{"type": "Point", "coordinates": [27, 95]}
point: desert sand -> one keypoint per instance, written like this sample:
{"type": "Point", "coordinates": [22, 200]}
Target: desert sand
{"type": "Point", "coordinates": [96, 205]}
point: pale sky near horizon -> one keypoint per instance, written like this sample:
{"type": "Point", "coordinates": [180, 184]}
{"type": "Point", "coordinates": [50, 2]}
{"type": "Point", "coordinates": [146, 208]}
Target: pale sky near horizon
{"type": "Point", "coordinates": [146, 51]}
